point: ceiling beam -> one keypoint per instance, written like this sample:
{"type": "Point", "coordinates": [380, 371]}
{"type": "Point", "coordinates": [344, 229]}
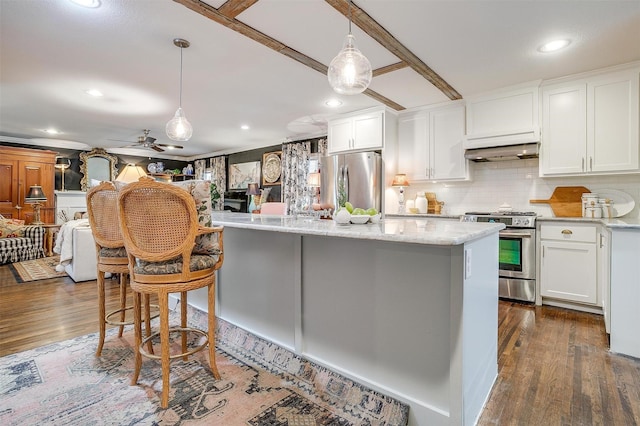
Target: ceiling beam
{"type": "Point", "coordinates": [215, 15]}
{"type": "Point", "coordinates": [369, 25]}
{"type": "Point", "coordinates": [233, 8]}
{"type": "Point", "coordinates": [389, 68]}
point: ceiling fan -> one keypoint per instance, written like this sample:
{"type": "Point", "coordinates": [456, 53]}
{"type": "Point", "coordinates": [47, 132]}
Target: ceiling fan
{"type": "Point", "coordinates": [146, 141]}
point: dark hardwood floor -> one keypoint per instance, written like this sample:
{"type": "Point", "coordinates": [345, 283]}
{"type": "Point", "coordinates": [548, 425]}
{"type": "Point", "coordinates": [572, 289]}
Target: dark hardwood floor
{"type": "Point", "coordinates": [554, 365]}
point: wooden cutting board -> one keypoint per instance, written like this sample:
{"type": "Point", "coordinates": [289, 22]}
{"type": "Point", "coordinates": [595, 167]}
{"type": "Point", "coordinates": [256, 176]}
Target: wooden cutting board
{"type": "Point", "coordinates": [566, 201]}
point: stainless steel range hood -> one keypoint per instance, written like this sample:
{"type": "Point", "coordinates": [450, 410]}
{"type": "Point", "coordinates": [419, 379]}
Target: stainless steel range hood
{"type": "Point", "coordinates": [503, 153]}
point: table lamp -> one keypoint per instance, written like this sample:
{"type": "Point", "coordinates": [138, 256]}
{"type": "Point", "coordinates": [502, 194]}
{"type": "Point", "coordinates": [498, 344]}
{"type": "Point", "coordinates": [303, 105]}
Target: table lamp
{"type": "Point", "coordinates": [36, 197]}
{"type": "Point", "coordinates": [131, 173]}
{"type": "Point", "coordinates": [253, 190]}
{"type": "Point", "coordinates": [62, 164]}
{"type": "Point", "coordinates": [400, 181]}
{"type": "Point", "coordinates": [313, 181]}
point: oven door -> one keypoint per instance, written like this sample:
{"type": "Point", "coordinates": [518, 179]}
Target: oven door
{"type": "Point", "coordinates": [517, 253]}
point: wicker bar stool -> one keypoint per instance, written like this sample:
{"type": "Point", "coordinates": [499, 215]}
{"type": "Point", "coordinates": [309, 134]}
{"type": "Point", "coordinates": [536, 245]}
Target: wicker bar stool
{"type": "Point", "coordinates": [159, 225]}
{"type": "Point", "coordinates": [102, 208]}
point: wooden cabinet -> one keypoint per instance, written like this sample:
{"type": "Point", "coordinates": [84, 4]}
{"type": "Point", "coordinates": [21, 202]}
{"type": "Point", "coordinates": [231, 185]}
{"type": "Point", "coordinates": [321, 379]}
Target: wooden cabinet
{"type": "Point", "coordinates": [504, 117]}
{"type": "Point", "coordinates": [430, 144]}
{"type": "Point", "coordinates": [363, 131]}
{"type": "Point", "coordinates": [590, 125]}
{"type": "Point", "coordinates": [569, 263]}
{"type": "Point", "coordinates": [21, 168]}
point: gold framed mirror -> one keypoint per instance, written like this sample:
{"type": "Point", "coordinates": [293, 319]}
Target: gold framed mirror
{"type": "Point", "coordinates": [97, 164]}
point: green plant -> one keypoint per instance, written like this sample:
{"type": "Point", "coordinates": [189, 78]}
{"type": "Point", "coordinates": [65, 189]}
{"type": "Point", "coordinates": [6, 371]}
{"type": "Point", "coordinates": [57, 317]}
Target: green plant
{"type": "Point", "coordinates": [342, 195]}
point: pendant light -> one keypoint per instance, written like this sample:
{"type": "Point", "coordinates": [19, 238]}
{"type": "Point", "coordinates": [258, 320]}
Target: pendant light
{"type": "Point", "coordinates": [179, 128]}
{"type": "Point", "coordinates": [350, 71]}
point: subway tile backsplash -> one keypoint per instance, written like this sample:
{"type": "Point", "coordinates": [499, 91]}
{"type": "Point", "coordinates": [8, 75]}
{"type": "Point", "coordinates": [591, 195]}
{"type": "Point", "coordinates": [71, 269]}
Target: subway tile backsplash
{"type": "Point", "coordinates": [515, 183]}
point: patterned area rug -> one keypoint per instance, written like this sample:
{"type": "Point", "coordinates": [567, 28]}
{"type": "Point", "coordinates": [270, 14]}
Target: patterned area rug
{"type": "Point", "coordinates": [262, 384]}
{"type": "Point", "coordinates": [38, 269]}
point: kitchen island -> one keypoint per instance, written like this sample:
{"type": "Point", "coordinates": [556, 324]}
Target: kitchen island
{"type": "Point", "coordinates": [407, 307]}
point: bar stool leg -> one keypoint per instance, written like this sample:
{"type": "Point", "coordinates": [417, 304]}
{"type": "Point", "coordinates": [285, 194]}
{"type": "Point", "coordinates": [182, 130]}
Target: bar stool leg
{"type": "Point", "coordinates": [211, 296]}
{"type": "Point", "coordinates": [101, 312]}
{"type": "Point", "coordinates": [163, 301]}
{"type": "Point", "coordinates": [123, 301]}
{"type": "Point", "coordinates": [183, 322]}
{"type": "Point", "coordinates": [137, 326]}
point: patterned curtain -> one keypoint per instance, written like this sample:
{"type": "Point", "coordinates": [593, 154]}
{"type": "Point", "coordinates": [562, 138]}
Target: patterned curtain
{"type": "Point", "coordinates": [219, 177]}
{"type": "Point", "coordinates": [295, 158]}
{"type": "Point", "coordinates": [200, 166]}
{"type": "Point", "coordinates": [322, 147]}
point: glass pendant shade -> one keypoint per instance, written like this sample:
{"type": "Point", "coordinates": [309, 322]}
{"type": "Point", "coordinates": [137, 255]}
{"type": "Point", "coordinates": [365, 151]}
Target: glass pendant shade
{"type": "Point", "coordinates": [179, 128]}
{"type": "Point", "coordinates": [350, 71]}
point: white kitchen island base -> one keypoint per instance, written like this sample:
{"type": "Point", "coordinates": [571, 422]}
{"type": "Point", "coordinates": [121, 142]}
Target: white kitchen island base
{"type": "Point", "coordinates": [398, 317]}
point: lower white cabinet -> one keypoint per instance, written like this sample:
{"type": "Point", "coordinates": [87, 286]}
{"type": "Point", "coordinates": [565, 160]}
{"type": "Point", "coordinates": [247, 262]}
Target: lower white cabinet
{"type": "Point", "coordinates": [569, 263]}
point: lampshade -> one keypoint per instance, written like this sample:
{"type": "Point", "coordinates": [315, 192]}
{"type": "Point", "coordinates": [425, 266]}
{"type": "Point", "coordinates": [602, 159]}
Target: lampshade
{"type": "Point", "coordinates": [253, 189]}
{"type": "Point", "coordinates": [62, 163]}
{"type": "Point", "coordinates": [179, 128]}
{"type": "Point", "coordinates": [131, 173]}
{"type": "Point", "coordinates": [349, 72]}
{"type": "Point", "coordinates": [35, 195]}
{"type": "Point", "coordinates": [400, 180]}
{"type": "Point", "coordinates": [313, 180]}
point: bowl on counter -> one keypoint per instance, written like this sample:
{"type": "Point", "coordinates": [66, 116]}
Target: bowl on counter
{"type": "Point", "coordinates": [360, 218]}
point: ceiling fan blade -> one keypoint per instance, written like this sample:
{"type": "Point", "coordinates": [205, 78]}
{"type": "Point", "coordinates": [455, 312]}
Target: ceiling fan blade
{"type": "Point", "coordinates": [133, 145]}
{"type": "Point", "coordinates": [156, 148]}
{"type": "Point", "coordinates": [149, 139]}
{"type": "Point", "coordinates": [170, 146]}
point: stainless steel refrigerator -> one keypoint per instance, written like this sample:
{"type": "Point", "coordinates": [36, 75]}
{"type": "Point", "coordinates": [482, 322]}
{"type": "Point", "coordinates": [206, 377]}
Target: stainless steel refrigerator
{"type": "Point", "coordinates": [361, 175]}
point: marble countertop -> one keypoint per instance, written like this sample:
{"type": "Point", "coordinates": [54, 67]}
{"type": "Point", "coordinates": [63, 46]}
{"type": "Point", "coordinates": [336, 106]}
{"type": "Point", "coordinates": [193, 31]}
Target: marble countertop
{"type": "Point", "coordinates": [613, 223]}
{"type": "Point", "coordinates": [421, 230]}
{"type": "Point", "coordinates": [414, 215]}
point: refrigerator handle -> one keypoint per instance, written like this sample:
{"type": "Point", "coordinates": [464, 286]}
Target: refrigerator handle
{"type": "Point", "coordinates": [345, 178]}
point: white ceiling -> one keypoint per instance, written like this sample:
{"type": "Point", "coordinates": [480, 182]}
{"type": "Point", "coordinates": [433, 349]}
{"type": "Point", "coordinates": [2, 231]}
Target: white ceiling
{"type": "Point", "coordinates": [52, 51]}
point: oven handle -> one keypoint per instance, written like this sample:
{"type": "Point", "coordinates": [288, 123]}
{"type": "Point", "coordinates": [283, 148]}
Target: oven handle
{"type": "Point", "coordinates": [515, 235]}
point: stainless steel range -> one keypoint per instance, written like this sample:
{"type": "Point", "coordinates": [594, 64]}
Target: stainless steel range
{"type": "Point", "coordinates": [517, 253]}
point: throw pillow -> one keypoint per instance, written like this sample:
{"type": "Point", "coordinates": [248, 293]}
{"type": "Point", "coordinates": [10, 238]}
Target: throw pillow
{"type": "Point", "coordinates": [200, 191]}
{"type": "Point", "coordinates": [11, 228]}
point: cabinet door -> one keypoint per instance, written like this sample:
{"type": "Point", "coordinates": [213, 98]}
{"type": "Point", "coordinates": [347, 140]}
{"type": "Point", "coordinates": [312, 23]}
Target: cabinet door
{"type": "Point", "coordinates": [340, 133]}
{"type": "Point", "coordinates": [368, 131]}
{"type": "Point", "coordinates": [568, 271]}
{"type": "Point", "coordinates": [36, 173]}
{"type": "Point", "coordinates": [446, 136]}
{"type": "Point", "coordinates": [564, 135]}
{"type": "Point", "coordinates": [612, 119]}
{"type": "Point", "coordinates": [9, 188]}
{"type": "Point", "coordinates": [413, 150]}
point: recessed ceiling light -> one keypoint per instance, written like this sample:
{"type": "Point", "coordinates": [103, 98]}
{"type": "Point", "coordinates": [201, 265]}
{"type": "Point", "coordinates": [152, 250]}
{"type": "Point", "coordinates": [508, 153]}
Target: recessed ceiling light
{"type": "Point", "coordinates": [94, 92]}
{"type": "Point", "coordinates": [51, 131]}
{"type": "Point", "coordinates": [333, 103]}
{"type": "Point", "coordinates": [554, 45]}
{"type": "Point", "coordinates": [87, 3]}
{"type": "Point", "coordinates": [244, 127]}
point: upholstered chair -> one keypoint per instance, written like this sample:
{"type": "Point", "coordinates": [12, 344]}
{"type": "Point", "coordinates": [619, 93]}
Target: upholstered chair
{"type": "Point", "coordinates": [159, 223]}
{"type": "Point", "coordinates": [102, 207]}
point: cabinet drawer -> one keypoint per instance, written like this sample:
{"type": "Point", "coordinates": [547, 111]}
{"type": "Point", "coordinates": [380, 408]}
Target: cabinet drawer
{"type": "Point", "coordinates": [583, 234]}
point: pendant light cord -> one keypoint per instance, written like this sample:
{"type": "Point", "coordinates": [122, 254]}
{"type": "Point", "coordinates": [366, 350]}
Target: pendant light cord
{"type": "Point", "coordinates": [180, 103]}
{"type": "Point", "coordinates": [349, 2]}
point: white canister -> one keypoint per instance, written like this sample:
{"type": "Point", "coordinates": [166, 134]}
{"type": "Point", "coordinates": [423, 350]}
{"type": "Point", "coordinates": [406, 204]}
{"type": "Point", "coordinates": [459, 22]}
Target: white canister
{"type": "Point", "coordinates": [589, 199]}
{"type": "Point", "coordinates": [593, 212]}
{"type": "Point", "coordinates": [605, 205]}
{"type": "Point", "coordinates": [409, 205]}
{"type": "Point", "coordinates": [421, 202]}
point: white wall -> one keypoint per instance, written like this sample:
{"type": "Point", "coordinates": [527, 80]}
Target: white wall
{"type": "Point", "coordinates": [516, 182]}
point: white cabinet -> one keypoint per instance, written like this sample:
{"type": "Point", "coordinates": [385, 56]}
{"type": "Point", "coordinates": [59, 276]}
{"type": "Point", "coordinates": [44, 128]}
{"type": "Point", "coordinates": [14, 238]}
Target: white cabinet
{"type": "Point", "coordinates": [590, 125]}
{"type": "Point", "coordinates": [568, 263]}
{"type": "Point", "coordinates": [359, 132]}
{"type": "Point", "coordinates": [430, 144]}
{"type": "Point", "coordinates": [604, 275]}
{"type": "Point", "coordinates": [505, 117]}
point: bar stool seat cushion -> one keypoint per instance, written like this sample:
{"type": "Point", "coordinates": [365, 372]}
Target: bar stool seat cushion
{"type": "Point", "coordinates": [198, 262]}
{"type": "Point", "coordinates": [113, 252]}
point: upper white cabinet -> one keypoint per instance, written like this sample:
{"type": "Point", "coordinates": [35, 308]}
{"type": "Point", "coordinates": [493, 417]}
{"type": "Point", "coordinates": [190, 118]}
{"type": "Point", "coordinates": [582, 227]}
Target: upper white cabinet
{"type": "Point", "coordinates": [362, 131]}
{"type": "Point", "coordinates": [430, 144]}
{"type": "Point", "coordinates": [505, 117]}
{"type": "Point", "coordinates": [590, 125]}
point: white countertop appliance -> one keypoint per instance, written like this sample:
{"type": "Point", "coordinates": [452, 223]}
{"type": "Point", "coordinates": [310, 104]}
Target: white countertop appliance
{"type": "Point", "coordinates": [517, 256]}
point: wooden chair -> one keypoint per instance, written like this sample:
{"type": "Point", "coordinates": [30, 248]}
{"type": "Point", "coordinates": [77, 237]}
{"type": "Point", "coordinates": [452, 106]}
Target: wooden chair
{"type": "Point", "coordinates": [102, 207]}
{"type": "Point", "coordinates": [159, 225]}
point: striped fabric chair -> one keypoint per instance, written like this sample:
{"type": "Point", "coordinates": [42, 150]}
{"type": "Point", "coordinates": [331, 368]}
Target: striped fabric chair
{"type": "Point", "coordinates": [20, 242]}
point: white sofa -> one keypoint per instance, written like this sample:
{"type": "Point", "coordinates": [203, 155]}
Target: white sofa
{"type": "Point", "coordinates": [83, 265]}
